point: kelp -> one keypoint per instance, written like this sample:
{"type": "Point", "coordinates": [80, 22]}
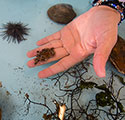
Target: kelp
{"type": "Point", "coordinates": [106, 100]}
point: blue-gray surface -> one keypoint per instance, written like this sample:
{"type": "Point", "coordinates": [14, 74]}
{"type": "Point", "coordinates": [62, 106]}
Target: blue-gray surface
{"type": "Point", "coordinates": [16, 78]}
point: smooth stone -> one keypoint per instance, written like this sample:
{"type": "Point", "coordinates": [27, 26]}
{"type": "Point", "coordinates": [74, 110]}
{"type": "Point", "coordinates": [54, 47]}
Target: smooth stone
{"type": "Point", "coordinates": [61, 13]}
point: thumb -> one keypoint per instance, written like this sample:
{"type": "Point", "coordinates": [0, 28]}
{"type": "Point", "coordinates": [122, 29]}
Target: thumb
{"type": "Point", "coordinates": [102, 53]}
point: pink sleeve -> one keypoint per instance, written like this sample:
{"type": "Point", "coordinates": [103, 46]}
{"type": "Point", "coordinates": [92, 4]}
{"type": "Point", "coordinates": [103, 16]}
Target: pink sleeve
{"type": "Point", "coordinates": [122, 0]}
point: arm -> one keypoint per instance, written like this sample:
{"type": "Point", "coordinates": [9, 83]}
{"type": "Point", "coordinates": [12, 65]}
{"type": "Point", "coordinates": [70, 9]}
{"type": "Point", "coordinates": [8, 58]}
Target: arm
{"type": "Point", "coordinates": [122, 0]}
{"type": "Point", "coordinates": [93, 32]}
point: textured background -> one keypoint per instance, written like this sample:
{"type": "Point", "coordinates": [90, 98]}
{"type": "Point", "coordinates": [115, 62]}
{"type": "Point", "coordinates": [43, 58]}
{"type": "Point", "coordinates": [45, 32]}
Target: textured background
{"type": "Point", "coordinates": [16, 78]}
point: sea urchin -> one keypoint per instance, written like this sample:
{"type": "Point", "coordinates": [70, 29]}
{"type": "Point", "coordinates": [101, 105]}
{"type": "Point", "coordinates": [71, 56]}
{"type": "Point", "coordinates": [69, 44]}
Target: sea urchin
{"type": "Point", "coordinates": [14, 32]}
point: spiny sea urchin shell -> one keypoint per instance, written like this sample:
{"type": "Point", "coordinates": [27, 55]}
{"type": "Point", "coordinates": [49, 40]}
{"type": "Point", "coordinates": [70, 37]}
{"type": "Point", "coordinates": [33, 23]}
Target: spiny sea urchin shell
{"type": "Point", "coordinates": [14, 32]}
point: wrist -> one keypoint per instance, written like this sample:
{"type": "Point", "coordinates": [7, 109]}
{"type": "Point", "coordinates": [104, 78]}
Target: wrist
{"type": "Point", "coordinates": [98, 18]}
{"type": "Point", "coordinates": [107, 12]}
{"type": "Point", "coordinates": [115, 4]}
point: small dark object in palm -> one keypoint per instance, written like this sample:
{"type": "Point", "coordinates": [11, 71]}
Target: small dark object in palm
{"type": "Point", "coordinates": [44, 55]}
{"type": "Point", "coordinates": [15, 32]}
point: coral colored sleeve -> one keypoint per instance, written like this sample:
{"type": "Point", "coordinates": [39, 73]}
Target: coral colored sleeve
{"type": "Point", "coordinates": [122, 0]}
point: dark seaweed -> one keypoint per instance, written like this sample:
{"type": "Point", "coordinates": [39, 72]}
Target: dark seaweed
{"type": "Point", "coordinates": [93, 110]}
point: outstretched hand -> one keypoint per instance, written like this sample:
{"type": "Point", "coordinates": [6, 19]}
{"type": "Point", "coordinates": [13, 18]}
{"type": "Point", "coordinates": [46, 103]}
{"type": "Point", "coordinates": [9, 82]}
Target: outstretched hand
{"type": "Point", "coordinates": [92, 32]}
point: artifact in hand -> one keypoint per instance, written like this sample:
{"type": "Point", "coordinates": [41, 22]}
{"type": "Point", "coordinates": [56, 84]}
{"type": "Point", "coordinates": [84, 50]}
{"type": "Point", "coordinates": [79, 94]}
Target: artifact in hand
{"type": "Point", "coordinates": [44, 55]}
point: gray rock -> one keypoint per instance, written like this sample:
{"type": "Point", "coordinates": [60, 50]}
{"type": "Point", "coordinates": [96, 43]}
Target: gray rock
{"type": "Point", "coordinates": [61, 13]}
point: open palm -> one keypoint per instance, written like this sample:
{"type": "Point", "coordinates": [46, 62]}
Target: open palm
{"type": "Point", "coordinates": [79, 39]}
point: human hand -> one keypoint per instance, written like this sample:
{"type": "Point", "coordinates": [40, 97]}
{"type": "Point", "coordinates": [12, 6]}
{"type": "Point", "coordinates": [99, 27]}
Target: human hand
{"type": "Point", "coordinates": [92, 32]}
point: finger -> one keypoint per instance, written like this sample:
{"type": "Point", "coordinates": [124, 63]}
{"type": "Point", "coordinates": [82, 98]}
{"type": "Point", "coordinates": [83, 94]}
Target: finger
{"type": "Point", "coordinates": [53, 44]}
{"type": "Point", "coordinates": [102, 53]}
{"type": "Point", "coordinates": [60, 66]}
{"type": "Point", "coordinates": [60, 53]}
{"type": "Point", "coordinates": [55, 36]}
